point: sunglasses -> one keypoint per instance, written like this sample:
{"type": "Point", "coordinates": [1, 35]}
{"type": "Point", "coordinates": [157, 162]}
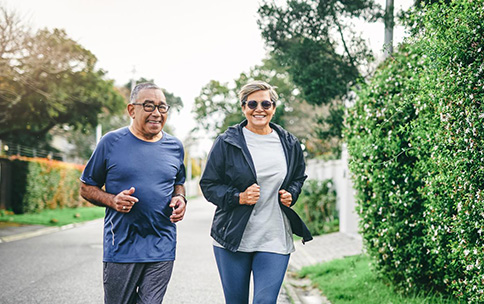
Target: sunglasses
{"type": "Point", "coordinates": [252, 104]}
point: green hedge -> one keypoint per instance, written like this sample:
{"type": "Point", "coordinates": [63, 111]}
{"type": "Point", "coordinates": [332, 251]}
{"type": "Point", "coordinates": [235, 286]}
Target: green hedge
{"type": "Point", "coordinates": [39, 184]}
{"type": "Point", "coordinates": [317, 206]}
{"type": "Point", "coordinates": [416, 142]}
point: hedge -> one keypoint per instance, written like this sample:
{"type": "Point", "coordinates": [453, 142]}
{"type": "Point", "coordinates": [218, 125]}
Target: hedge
{"type": "Point", "coordinates": [317, 206]}
{"type": "Point", "coordinates": [39, 184]}
{"type": "Point", "coordinates": [415, 136]}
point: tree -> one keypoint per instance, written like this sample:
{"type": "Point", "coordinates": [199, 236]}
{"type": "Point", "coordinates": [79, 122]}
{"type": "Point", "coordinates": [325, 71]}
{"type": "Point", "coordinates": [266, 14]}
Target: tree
{"type": "Point", "coordinates": [316, 42]}
{"type": "Point", "coordinates": [175, 102]}
{"type": "Point", "coordinates": [217, 107]}
{"type": "Point", "coordinates": [48, 79]}
{"type": "Point", "coordinates": [324, 55]}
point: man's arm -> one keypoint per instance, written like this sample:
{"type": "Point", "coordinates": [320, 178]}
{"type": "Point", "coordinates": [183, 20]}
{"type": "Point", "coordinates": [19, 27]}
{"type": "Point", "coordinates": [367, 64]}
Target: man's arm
{"type": "Point", "coordinates": [122, 202]}
{"type": "Point", "coordinates": [178, 203]}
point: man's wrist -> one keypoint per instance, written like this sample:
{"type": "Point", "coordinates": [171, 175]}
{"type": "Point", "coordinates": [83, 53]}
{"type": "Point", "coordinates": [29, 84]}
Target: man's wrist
{"type": "Point", "coordinates": [181, 195]}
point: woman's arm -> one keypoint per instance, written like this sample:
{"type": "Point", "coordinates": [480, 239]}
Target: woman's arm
{"type": "Point", "coordinates": [214, 187]}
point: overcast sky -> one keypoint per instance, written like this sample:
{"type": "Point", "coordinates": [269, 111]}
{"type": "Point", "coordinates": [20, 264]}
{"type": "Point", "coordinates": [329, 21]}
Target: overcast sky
{"type": "Point", "coordinates": [181, 44]}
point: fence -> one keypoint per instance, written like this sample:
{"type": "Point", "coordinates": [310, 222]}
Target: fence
{"type": "Point", "coordinates": [338, 171]}
{"type": "Point", "coordinates": [9, 148]}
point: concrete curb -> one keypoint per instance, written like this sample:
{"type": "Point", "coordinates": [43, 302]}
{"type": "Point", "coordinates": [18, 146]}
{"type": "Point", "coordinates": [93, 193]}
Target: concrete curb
{"type": "Point", "coordinates": [42, 231]}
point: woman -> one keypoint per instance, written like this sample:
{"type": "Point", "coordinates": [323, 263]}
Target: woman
{"type": "Point", "coordinates": [254, 174]}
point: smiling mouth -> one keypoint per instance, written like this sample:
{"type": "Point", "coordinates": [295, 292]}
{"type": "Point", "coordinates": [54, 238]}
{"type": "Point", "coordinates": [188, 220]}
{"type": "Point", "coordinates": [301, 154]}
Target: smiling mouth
{"type": "Point", "coordinates": [259, 116]}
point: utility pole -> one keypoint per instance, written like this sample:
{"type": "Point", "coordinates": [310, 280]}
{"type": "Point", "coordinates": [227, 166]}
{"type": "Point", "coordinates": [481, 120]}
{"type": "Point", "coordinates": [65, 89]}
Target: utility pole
{"type": "Point", "coordinates": [133, 82]}
{"type": "Point", "coordinates": [389, 23]}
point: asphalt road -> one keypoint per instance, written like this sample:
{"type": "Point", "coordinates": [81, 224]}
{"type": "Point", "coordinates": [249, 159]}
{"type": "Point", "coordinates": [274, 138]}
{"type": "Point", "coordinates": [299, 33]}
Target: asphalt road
{"type": "Point", "coordinates": [66, 266]}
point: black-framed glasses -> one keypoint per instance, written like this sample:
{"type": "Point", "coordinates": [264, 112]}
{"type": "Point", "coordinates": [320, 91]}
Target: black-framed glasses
{"type": "Point", "coordinates": [150, 107]}
{"type": "Point", "coordinates": [252, 104]}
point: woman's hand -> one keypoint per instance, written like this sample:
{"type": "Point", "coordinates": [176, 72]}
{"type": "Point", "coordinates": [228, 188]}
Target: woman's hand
{"type": "Point", "coordinates": [286, 197]}
{"type": "Point", "coordinates": [250, 196]}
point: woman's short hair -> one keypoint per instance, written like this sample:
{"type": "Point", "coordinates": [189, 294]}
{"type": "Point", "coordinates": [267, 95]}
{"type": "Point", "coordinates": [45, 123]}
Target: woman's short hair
{"type": "Point", "coordinates": [139, 87]}
{"type": "Point", "coordinates": [255, 86]}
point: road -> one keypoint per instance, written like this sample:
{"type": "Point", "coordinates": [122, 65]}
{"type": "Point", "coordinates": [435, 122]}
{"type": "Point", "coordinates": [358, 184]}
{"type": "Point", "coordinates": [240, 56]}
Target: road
{"type": "Point", "coordinates": [66, 266]}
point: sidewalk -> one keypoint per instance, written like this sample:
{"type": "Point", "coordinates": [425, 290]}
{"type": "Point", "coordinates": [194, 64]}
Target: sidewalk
{"type": "Point", "coordinates": [321, 249]}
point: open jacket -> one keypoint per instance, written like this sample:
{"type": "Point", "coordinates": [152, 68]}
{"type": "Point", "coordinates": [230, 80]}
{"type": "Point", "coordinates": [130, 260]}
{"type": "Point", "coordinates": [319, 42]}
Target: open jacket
{"type": "Point", "coordinates": [230, 170]}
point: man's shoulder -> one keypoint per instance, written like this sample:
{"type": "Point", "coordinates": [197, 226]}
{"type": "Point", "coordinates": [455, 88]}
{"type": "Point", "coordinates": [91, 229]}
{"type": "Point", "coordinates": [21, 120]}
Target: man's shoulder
{"type": "Point", "coordinates": [172, 139]}
{"type": "Point", "coordinates": [116, 134]}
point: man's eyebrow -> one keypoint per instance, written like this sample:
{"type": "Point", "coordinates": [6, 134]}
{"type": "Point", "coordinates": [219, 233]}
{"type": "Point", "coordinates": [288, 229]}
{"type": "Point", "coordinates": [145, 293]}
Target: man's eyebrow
{"type": "Point", "coordinates": [151, 101]}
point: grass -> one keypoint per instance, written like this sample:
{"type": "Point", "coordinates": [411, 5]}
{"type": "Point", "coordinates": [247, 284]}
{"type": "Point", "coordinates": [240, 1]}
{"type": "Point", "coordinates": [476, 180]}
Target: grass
{"type": "Point", "coordinates": [56, 217]}
{"type": "Point", "coordinates": [350, 280]}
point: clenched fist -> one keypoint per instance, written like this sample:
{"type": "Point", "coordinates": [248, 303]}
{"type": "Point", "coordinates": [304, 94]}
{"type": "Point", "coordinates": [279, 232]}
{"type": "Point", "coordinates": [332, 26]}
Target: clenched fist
{"type": "Point", "coordinates": [250, 196]}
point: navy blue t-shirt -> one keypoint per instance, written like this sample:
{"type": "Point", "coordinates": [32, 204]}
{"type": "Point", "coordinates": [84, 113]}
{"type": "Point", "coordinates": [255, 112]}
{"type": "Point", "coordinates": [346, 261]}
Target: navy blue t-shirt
{"type": "Point", "coordinates": [121, 161]}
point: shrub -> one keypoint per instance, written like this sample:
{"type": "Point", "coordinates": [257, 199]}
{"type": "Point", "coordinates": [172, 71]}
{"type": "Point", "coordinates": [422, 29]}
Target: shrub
{"type": "Point", "coordinates": [317, 206]}
{"type": "Point", "coordinates": [415, 136]}
{"type": "Point", "coordinates": [44, 184]}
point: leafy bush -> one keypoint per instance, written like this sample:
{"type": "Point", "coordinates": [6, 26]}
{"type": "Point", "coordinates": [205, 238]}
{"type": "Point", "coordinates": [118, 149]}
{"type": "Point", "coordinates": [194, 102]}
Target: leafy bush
{"type": "Point", "coordinates": [39, 184]}
{"type": "Point", "coordinates": [317, 206]}
{"type": "Point", "coordinates": [416, 140]}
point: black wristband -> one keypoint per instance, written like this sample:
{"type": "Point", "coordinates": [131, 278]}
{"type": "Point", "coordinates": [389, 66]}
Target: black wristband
{"type": "Point", "coordinates": [184, 198]}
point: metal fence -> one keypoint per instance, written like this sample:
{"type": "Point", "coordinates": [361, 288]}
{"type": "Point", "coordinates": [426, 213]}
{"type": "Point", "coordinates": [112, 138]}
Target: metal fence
{"type": "Point", "coordinates": [8, 148]}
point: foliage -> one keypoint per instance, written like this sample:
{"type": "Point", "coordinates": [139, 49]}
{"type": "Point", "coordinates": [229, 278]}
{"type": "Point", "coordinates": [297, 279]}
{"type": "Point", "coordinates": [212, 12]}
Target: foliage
{"type": "Point", "coordinates": [351, 280]}
{"type": "Point", "coordinates": [217, 107]}
{"type": "Point", "coordinates": [317, 206]}
{"type": "Point", "coordinates": [175, 102]}
{"type": "Point", "coordinates": [54, 217]}
{"type": "Point", "coordinates": [39, 184]}
{"type": "Point", "coordinates": [48, 79]}
{"type": "Point", "coordinates": [303, 39]}
{"type": "Point", "coordinates": [84, 139]}
{"type": "Point", "coordinates": [415, 137]}
{"type": "Point", "coordinates": [323, 53]}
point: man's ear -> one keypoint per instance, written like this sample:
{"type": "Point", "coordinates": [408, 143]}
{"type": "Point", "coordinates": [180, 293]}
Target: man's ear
{"type": "Point", "coordinates": [130, 109]}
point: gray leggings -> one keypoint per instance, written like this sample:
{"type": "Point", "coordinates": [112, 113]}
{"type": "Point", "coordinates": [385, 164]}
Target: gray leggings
{"type": "Point", "coordinates": [130, 283]}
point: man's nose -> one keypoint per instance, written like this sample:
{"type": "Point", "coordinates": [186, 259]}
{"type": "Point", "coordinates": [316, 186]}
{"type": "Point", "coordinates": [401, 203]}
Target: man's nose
{"type": "Point", "coordinates": [156, 111]}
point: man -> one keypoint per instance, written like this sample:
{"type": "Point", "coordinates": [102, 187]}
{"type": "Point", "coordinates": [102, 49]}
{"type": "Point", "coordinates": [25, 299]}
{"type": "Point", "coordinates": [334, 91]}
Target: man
{"type": "Point", "coordinates": [141, 168]}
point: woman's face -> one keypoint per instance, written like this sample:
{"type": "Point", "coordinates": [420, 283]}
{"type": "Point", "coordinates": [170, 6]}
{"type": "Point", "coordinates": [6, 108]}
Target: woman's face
{"type": "Point", "coordinates": [258, 119]}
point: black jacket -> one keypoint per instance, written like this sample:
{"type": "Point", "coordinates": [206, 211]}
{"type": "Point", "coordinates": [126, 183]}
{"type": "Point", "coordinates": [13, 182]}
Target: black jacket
{"type": "Point", "coordinates": [230, 170]}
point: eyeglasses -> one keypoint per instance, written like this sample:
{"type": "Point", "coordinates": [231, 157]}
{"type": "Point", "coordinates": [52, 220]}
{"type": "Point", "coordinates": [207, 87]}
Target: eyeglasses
{"type": "Point", "coordinates": [150, 107]}
{"type": "Point", "coordinates": [252, 104]}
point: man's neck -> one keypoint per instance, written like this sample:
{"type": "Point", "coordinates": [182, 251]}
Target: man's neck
{"type": "Point", "coordinates": [145, 137]}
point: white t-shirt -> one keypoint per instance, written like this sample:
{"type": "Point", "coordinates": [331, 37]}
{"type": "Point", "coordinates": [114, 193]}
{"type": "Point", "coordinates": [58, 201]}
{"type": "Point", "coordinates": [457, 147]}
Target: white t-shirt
{"type": "Point", "coordinates": [268, 228]}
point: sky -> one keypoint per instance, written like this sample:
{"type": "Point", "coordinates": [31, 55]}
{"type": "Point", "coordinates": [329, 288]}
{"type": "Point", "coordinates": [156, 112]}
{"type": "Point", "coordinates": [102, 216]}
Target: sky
{"type": "Point", "coordinates": [181, 44]}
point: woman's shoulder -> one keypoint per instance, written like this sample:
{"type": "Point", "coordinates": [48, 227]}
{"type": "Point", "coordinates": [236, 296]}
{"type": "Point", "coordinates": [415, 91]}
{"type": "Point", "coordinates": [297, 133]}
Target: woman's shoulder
{"type": "Point", "coordinates": [284, 134]}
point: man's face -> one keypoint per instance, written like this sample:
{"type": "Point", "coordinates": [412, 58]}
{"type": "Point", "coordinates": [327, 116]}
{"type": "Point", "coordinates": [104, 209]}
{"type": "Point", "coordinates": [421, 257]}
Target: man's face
{"type": "Point", "coordinates": [148, 125]}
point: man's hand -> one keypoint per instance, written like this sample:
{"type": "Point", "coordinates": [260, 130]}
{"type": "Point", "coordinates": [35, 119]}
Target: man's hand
{"type": "Point", "coordinates": [124, 201]}
{"type": "Point", "coordinates": [178, 205]}
{"type": "Point", "coordinates": [250, 196]}
{"type": "Point", "coordinates": [286, 197]}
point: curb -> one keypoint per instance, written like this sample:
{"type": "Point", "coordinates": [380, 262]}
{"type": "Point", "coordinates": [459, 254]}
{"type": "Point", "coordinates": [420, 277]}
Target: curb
{"type": "Point", "coordinates": [42, 231]}
{"type": "Point", "coordinates": [301, 291]}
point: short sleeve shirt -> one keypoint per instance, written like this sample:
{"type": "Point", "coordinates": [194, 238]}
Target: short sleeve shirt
{"type": "Point", "coordinates": [121, 161]}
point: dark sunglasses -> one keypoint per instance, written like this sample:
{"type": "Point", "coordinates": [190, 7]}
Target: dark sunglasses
{"type": "Point", "coordinates": [252, 104]}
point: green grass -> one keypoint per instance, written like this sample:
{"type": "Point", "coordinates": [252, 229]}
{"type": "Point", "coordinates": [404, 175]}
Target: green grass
{"type": "Point", "coordinates": [56, 217]}
{"type": "Point", "coordinates": [350, 280]}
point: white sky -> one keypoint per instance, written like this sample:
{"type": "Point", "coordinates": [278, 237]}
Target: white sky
{"type": "Point", "coordinates": [181, 44]}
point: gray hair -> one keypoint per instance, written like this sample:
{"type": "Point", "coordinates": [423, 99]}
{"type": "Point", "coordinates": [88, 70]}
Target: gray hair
{"type": "Point", "coordinates": [255, 86]}
{"type": "Point", "coordinates": [142, 86]}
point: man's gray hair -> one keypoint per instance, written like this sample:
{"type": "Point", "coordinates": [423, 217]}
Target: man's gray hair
{"type": "Point", "coordinates": [255, 86]}
{"type": "Point", "coordinates": [139, 87]}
